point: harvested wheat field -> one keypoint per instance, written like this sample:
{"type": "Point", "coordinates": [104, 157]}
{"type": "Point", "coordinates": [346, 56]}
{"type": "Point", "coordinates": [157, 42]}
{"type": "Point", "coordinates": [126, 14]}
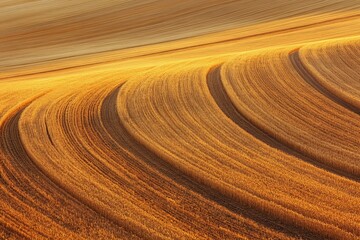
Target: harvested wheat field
{"type": "Point", "coordinates": [180, 119]}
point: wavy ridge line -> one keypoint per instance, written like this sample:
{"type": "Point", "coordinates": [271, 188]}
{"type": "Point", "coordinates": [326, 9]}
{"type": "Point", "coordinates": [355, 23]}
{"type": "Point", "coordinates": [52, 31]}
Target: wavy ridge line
{"type": "Point", "coordinates": [103, 122]}
{"type": "Point", "coordinates": [143, 120]}
{"type": "Point", "coordinates": [40, 196]}
{"type": "Point", "coordinates": [181, 176]}
{"type": "Point", "coordinates": [256, 91]}
{"type": "Point", "coordinates": [224, 102]}
{"type": "Point", "coordinates": [311, 79]}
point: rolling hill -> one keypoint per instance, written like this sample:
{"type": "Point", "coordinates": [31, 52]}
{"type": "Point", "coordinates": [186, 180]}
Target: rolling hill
{"type": "Point", "coordinates": [167, 119]}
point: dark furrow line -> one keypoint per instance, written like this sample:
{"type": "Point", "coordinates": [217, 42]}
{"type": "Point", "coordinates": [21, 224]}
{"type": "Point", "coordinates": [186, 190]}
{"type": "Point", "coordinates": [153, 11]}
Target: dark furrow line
{"type": "Point", "coordinates": [8, 232]}
{"type": "Point", "coordinates": [118, 155]}
{"type": "Point", "coordinates": [280, 31]}
{"type": "Point", "coordinates": [311, 79]}
{"type": "Point", "coordinates": [13, 145]}
{"type": "Point", "coordinates": [48, 133]}
{"type": "Point", "coordinates": [224, 102]}
{"type": "Point", "coordinates": [117, 131]}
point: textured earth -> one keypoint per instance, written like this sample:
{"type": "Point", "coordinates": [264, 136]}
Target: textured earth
{"type": "Point", "coordinates": [180, 119]}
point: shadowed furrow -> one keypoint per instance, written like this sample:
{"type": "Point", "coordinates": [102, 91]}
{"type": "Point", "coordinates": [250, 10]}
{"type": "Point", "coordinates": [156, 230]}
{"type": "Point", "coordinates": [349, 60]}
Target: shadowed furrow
{"type": "Point", "coordinates": [27, 194]}
{"type": "Point", "coordinates": [164, 112]}
{"type": "Point", "coordinates": [271, 93]}
{"type": "Point", "coordinates": [219, 94]}
{"type": "Point", "coordinates": [180, 119]}
{"type": "Point", "coordinates": [129, 173]}
{"type": "Point", "coordinates": [73, 174]}
{"type": "Point", "coordinates": [122, 164]}
{"type": "Point", "coordinates": [336, 67]}
{"type": "Point", "coordinates": [304, 73]}
{"type": "Point", "coordinates": [117, 131]}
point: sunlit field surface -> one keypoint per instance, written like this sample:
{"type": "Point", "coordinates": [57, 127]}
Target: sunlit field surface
{"type": "Point", "coordinates": [180, 119]}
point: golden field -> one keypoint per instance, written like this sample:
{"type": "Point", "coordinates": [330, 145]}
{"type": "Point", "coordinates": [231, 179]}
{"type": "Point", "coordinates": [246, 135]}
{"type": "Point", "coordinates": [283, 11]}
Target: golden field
{"type": "Point", "coordinates": [169, 119]}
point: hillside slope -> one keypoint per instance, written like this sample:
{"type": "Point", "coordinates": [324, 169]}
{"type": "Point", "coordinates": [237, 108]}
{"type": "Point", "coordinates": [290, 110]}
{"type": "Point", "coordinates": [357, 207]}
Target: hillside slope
{"type": "Point", "coordinates": [179, 119]}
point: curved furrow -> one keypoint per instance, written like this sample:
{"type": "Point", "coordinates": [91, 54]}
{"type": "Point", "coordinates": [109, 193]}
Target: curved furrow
{"type": "Point", "coordinates": [132, 185]}
{"type": "Point", "coordinates": [21, 192]}
{"type": "Point", "coordinates": [210, 205]}
{"type": "Point", "coordinates": [7, 232]}
{"type": "Point", "coordinates": [172, 112]}
{"type": "Point", "coordinates": [273, 95]}
{"type": "Point", "coordinates": [180, 119]}
{"type": "Point", "coordinates": [335, 65]}
{"type": "Point", "coordinates": [32, 205]}
{"type": "Point", "coordinates": [71, 166]}
{"type": "Point", "coordinates": [308, 77]}
{"type": "Point", "coordinates": [219, 94]}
